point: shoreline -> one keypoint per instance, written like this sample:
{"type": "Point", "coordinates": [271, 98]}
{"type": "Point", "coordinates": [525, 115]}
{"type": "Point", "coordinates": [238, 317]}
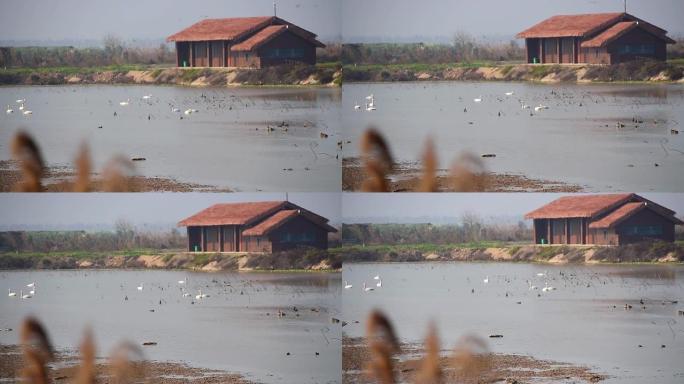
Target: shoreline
{"type": "Point", "coordinates": [332, 260]}
{"type": "Point", "coordinates": [65, 366]}
{"type": "Point", "coordinates": [321, 75]}
{"type": "Point", "coordinates": [406, 178]}
{"type": "Point", "coordinates": [633, 72]}
{"type": "Point", "coordinates": [508, 368]}
{"type": "Point", "coordinates": [62, 179]}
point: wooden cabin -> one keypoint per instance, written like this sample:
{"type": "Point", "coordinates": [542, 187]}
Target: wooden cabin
{"type": "Point", "coordinates": [252, 42]}
{"type": "Point", "coordinates": [269, 226]}
{"type": "Point", "coordinates": [598, 38]}
{"type": "Point", "coordinates": [611, 219]}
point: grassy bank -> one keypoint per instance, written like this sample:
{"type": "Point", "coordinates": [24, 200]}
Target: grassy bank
{"type": "Point", "coordinates": [324, 74]}
{"type": "Point", "coordinates": [639, 71]}
{"type": "Point", "coordinates": [332, 259]}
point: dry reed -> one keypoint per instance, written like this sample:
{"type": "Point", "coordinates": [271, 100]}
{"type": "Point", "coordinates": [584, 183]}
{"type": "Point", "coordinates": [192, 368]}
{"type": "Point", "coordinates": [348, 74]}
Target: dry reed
{"type": "Point", "coordinates": [116, 176]}
{"type": "Point", "coordinates": [470, 358]}
{"type": "Point", "coordinates": [26, 151]}
{"type": "Point", "coordinates": [377, 160]}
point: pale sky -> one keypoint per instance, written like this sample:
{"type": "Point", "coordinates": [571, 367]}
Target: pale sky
{"type": "Point", "coordinates": [149, 19]}
{"type": "Point", "coordinates": [156, 210]}
{"type": "Point", "coordinates": [402, 19]}
{"type": "Point", "coordinates": [101, 210]}
{"type": "Point", "coordinates": [379, 20]}
{"type": "Point", "coordinates": [450, 207]}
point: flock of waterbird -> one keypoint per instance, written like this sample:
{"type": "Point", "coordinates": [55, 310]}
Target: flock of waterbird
{"type": "Point", "coordinates": [366, 288]}
{"type": "Point", "coordinates": [23, 295]}
{"type": "Point", "coordinates": [370, 104]}
{"type": "Point", "coordinates": [22, 108]}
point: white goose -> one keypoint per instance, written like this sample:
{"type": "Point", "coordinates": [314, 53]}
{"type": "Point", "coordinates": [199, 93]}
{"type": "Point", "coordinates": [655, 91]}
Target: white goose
{"type": "Point", "coordinates": [357, 107]}
{"type": "Point", "coordinates": [125, 103]}
{"type": "Point", "coordinates": [22, 107]}
{"type": "Point", "coordinates": [478, 99]}
{"type": "Point", "coordinates": [10, 293]}
{"type": "Point", "coordinates": [27, 112]}
{"type": "Point", "coordinates": [486, 279]}
{"type": "Point", "coordinates": [201, 295]}
{"type": "Point", "coordinates": [20, 101]}
{"type": "Point", "coordinates": [379, 284]}
{"type": "Point", "coordinates": [9, 110]}
{"type": "Point", "coordinates": [510, 93]}
{"type": "Point", "coordinates": [367, 289]}
{"type": "Point", "coordinates": [147, 97]}
{"type": "Point", "coordinates": [182, 281]}
{"type": "Point", "coordinates": [347, 285]}
{"type": "Point", "coordinates": [370, 107]}
{"type": "Point", "coordinates": [377, 277]}
{"type": "Point", "coordinates": [140, 287]}
{"type": "Point", "coordinates": [33, 284]}
{"type": "Point", "coordinates": [27, 296]}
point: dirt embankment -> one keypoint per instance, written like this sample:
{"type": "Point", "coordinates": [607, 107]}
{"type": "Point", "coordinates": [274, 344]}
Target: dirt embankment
{"type": "Point", "coordinates": [636, 71]}
{"type": "Point", "coordinates": [407, 177]}
{"type": "Point", "coordinates": [199, 77]}
{"type": "Point", "coordinates": [66, 369]}
{"type": "Point", "coordinates": [486, 368]}
{"type": "Point", "coordinates": [557, 254]}
{"type": "Point", "coordinates": [305, 259]}
{"type": "Point", "coordinates": [322, 260]}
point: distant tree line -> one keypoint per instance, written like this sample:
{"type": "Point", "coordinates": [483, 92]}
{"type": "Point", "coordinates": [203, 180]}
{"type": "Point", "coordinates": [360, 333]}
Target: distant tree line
{"type": "Point", "coordinates": [472, 229]}
{"type": "Point", "coordinates": [113, 52]}
{"type": "Point", "coordinates": [464, 48]}
{"type": "Point", "coordinates": [124, 237]}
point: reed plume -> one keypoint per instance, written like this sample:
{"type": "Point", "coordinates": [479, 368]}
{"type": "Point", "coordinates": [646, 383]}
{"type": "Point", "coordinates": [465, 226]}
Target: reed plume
{"type": "Point", "coordinates": [468, 174]}
{"type": "Point", "coordinates": [125, 364]}
{"type": "Point", "coordinates": [86, 373]}
{"type": "Point", "coordinates": [378, 162]}
{"type": "Point", "coordinates": [470, 358]}
{"type": "Point", "coordinates": [383, 343]}
{"type": "Point", "coordinates": [37, 351]}
{"type": "Point", "coordinates": [428, 179]}
{"type": "Point", "coordinates": [116, 176]}
{"type": "Point", "coordinates": [430, 371]}
{"type": "Point", "coordinates": [25, 150]}
{"type": "Point", "coordinates": [83, 169]}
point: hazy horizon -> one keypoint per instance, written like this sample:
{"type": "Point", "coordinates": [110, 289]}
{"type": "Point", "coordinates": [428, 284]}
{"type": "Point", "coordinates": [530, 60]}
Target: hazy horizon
{"type": "Point", "coordinates": [92, 20]}
{"type": "Point", "coordinates": [86, 23]}
{"type": "Point", "coordinates": [152, 211]}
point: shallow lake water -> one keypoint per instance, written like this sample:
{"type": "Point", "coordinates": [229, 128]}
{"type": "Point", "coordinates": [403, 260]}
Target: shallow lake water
{"type": "Point", "coordinates": [576, 323]}
{"type": "Point", "coordinates": [224, 144]}
{"type": "Point", "coordinates": [229, 330]}
{"type": "Point", "coordinates": [575, 140]}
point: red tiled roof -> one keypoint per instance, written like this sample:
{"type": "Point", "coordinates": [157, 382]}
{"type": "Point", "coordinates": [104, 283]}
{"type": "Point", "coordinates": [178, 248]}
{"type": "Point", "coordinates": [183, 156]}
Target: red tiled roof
{"type": "Point", "coordinates": [571, 25]}
{"type": "Point", "coordinates": [618, 215]}
{"type": "Point", "coordinates": [221, 29]}
{"type": "Point", "coordinates": [232, 213]}
{"type": "Point", "coordinates": [610, 34]}
{"type": "Point", "coordinates": [271, 223]}
{"type": "Point", "coordinates": [620, 29]}
{"type": "Point", "coordinates": [579, 206]}
{"type": "Point", "coordinates": [267, 34]}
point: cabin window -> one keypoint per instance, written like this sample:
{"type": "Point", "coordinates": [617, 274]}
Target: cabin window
{"type": "Point", "coordinates": [284, 53]}
{"type": "Point", "coordinates": [643, 230]}
{"type": "Point", "coordinates": [636, 49]}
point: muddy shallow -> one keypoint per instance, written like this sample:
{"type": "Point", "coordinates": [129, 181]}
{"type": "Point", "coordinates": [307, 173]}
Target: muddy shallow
{"type": "Point", "coordinates": [225, 144]}
{"type": "Point", "coordinates": [582, 322]}
{"type": "Point", "coordinates": [236, 329]}
{"type": "Point", "coordinates": [575, 140]}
